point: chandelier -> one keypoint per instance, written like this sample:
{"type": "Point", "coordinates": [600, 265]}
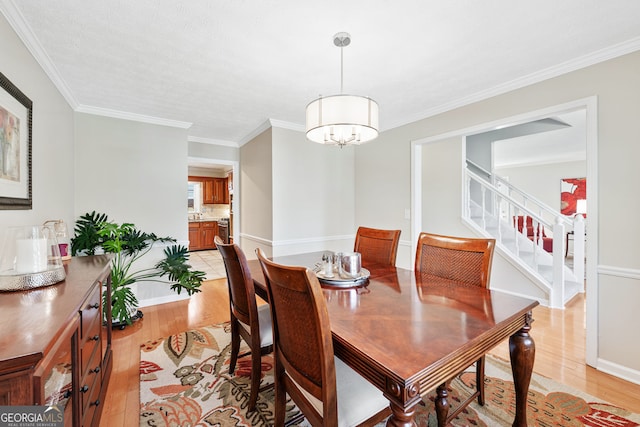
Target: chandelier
{"type": "Point", "coordinates": [342, 119]}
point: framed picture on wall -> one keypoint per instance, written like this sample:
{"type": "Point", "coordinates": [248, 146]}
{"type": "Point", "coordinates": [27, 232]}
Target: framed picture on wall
{"type": "Point", "coordinates": [15, 147]}
{"type": "Point", "coordinates": [573, 196]}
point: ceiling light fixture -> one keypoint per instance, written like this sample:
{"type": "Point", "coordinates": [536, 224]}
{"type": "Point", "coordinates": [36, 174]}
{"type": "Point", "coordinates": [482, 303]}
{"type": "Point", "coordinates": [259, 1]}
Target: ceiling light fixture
{"type": "Point", "coordinates": [342, 119]}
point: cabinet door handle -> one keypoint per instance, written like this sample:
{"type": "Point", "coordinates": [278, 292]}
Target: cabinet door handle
{"type": "Point", "coordinates": [67, 394]}
{"type": "Point", "coordinates": [95, 337]}
{"type": "Point", "coordinates": [96, 370]}
{"type": "Point", "coordinates": [95, 305]}
{"type": "Point", "coordinates": [84, 389]}
{"type": "Point", "coordinates": [97, 402]}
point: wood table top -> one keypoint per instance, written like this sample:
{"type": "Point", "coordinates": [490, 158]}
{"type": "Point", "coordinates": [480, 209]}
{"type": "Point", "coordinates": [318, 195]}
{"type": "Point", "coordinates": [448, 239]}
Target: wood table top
{"type": "Point", "coordinates": [409, 330]}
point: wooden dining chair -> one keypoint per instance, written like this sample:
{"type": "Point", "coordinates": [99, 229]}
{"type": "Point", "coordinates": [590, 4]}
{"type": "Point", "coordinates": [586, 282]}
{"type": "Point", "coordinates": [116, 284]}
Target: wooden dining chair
{"type": "Point", "coordinates": [441, 259]}
{"type": "Point", "coordinates": [325, 389]}
{"type": "Point", "coordinates": [249, 321]}
{"type": "Point", "coordinates": [377, 246]}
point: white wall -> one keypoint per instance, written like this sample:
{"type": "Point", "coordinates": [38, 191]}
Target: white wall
{"type": "Point", "coordinates": [296, 196]}
{"type": "Point", "coordinates": [382, 189]}
{"type": "Point", "coordinates": [212, 151]}
{"type": "Point", "coordinates": [313, 187]}
{"type": "Point", "coordinates": [543, 181]}
{"type": "Point", "coordinates": [134, 172]}
{"type": "Point", "coordinates": [52, 147]}
{"type": "Point", "coordinates": [441, 172]}
{"type": "Point", "coordinates": [613, 82]}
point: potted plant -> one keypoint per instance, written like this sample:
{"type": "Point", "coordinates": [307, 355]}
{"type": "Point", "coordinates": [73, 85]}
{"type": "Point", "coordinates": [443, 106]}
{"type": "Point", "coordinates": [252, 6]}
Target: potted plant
{"type": "Point", "coordinates": [95, 233]}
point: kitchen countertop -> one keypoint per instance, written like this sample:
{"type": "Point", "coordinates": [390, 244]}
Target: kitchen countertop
{"type": "Point", "coordinates": [206, 219]}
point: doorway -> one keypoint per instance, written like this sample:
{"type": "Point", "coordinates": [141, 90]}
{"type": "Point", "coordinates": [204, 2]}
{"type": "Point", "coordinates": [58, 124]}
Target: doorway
{"type": "Point", "coordinates": [217, 167]}
{"type": "Point", "coordinates": [589, 105]}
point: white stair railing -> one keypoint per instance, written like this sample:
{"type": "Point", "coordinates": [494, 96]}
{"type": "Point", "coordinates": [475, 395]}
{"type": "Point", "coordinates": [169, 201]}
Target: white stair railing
{"type": "Point", "coordinates": [496, 209]}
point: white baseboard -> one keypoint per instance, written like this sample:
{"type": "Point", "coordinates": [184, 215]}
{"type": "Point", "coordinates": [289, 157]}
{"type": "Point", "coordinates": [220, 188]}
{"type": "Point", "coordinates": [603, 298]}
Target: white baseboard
{"type": "Point", "coordinates": [619, 371]}
{"type": "Point", "coordinates": [162, 299]}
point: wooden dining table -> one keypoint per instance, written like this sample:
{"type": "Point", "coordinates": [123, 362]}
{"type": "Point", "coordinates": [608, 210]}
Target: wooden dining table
{"type": "Point", "coordinates": [407, 335]}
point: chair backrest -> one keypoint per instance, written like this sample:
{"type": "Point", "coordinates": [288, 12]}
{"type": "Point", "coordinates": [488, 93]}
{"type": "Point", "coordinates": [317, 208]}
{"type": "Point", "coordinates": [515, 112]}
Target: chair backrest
{"type": "Point", "coordinates": [377, 246]}
{"type": "Point", "coordinates": [460, 259]}
{"type": "Point", "coordinates": [242, 295]}
{"type": "Point", "coordinates": [302, 338]}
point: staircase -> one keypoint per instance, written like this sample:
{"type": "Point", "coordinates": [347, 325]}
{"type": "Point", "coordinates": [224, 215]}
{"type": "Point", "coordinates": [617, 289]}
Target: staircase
{"type": "Point", "coordinates": [491, 206]}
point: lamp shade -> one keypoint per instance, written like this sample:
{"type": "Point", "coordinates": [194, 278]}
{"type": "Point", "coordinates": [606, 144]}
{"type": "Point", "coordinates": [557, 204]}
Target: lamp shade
{"type": "Point", "coordinates": [342, 120]}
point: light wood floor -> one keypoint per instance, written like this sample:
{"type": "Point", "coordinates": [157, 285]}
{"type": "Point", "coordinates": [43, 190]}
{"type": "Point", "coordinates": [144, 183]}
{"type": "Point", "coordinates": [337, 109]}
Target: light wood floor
{"type": "Point", "coordinates": [559, 337]}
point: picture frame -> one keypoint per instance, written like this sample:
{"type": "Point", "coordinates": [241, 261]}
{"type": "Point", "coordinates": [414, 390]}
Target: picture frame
{"type": "Point", "coordinates": [573, 196]}
{"type": "Point", "coordinates": [16, 115]}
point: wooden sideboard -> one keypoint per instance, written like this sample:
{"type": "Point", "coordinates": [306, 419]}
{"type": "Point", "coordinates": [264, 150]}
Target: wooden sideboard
{"type": "Point", "coordinates": [55, 347]}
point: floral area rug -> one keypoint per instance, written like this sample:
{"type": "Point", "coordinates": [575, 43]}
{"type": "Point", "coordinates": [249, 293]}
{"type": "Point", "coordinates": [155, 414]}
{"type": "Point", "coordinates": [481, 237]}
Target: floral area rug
{"type": "Point", "coordinates": [185, 381]}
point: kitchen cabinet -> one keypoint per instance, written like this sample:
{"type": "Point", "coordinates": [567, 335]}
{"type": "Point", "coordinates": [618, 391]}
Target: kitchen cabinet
{"type": "Point", "coordinates": [55, 347]}
{"type": "Point", "coordinates": [208, 191]}
{"type": "Point", "coordinates": [194, 236]}
{"type": "Point", "coordinates": [214, 190]}
{"type": "Point", "coordinates": [202, 235]}
{"type": "Point", "coordinates": [220, 191]}
{"type": "Point", "coordinates": [209, 232]}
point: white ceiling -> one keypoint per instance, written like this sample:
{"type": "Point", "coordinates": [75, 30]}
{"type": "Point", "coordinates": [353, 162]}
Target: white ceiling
{"type": "Point", "coordinates": [228, 66]}
{"type": "Point", "coordinates": [559, 145]}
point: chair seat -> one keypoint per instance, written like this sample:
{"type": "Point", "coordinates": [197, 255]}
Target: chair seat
{"type": "Point", "coordinates": [357, 397]}
{"type": "Point", "coordinates": [266, 329]}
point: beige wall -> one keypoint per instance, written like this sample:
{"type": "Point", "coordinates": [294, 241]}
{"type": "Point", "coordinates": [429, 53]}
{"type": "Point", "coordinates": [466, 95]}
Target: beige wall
{"type": "Point", "coordinates": [615, 83]}
{"type": "Point", "coordinates": [256, 194]}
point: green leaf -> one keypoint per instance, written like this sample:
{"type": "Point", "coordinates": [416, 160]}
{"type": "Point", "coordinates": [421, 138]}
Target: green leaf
{"type": "Point", "coordinates": [86, 237]}
{"type": "Point", "coordinates": [123, 302]}
{"type": "Point", "coordinates": [128, 243]}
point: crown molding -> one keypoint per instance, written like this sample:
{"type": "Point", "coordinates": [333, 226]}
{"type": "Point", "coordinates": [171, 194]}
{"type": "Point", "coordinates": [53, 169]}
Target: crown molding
{"type": "Point", "coordinates": [271, 123]}
{"type": "Point", "coordinates": [19, 24]}
{"type": "Point", "coordinates": [286, 125]}
{"type": "Point", "coordinates": [213, 141]}
{"type": "Point", "coordinates": [584, 61]}
{"type": "Point", "coordinates": [132, 116]}
{"type": "Point", "coordinates": [257, 131]}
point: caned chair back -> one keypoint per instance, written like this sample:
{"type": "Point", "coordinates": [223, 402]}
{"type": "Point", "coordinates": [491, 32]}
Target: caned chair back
{"type": "Point", "coordinates": [241, 288]}
{"type": "Point", "coordinates": [441, 259]}
{"type": "Point", "coordinates": [302, 338]}
{"type": "Point", "coordinates": [459, 259]}
{"type": "Point", "coordinates": [377, 246]}
{"type": "Point", "coordinates": [327, 391]}
{"type": "Point", "coordinates": [302, 333]}
{"type": "Point", "coordinates": [249, 321]}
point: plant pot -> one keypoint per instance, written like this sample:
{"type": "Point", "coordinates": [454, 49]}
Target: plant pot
{"type": "Point", "coordinates": [135, 315]}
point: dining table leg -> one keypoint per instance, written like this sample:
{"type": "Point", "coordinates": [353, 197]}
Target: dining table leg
{"type": "Point", "coordinates": [401, 417]}
{"type": "Point", "coordinates": [522, 351]}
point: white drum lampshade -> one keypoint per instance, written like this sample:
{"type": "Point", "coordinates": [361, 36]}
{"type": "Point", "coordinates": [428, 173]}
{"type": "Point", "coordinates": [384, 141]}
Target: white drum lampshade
{"type": "Point", "coordinates": [342, 119]}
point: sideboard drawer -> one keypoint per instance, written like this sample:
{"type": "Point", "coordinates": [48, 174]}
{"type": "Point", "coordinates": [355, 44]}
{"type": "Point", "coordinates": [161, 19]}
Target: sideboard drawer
{"type": "Point", "coordinates": [90, 313]}
{"type": "Point", "coordinates": [90, 402]}
{"type": "Point", "coordinates": [90, 347]}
